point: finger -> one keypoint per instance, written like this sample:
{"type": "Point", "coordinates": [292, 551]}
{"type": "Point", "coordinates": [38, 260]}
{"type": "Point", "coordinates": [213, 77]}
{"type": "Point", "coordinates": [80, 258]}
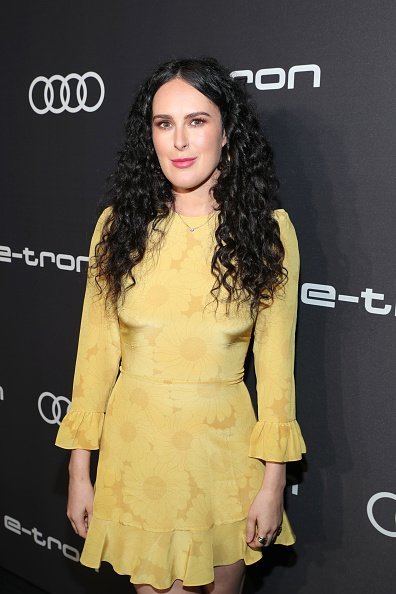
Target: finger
{"type": "Point", "coordinates": [273, 536]}
{"type": "Point", "coordinates": [276, 533]}
{"type": "Point", "coordinates": [80, 527]}
{"type": "Point", "coordinates": [265, 538]}
{"type": "Point", "coordinates": [269, 536]}
{"type": "Point", "coordinates": [250, 528]}
{"type": "Point", "coordinates": [89, 518]}
{"type": "Point", "coordinates": [73, 526]}
{"type": "Point", "coordinates": [260, 533]}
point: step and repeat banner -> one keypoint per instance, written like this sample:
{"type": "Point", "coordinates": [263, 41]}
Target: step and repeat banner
{"type": "Point", "coordinates": [322, 75]}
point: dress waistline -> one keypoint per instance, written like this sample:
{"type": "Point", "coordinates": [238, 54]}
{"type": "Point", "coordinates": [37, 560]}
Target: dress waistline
{"type": "Point", "coordinates": [161, 380]}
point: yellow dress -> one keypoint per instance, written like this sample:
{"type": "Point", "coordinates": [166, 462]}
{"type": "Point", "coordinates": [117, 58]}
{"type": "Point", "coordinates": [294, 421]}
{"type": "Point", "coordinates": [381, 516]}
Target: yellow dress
{"type": "Point", "coordinates": [159, 390]}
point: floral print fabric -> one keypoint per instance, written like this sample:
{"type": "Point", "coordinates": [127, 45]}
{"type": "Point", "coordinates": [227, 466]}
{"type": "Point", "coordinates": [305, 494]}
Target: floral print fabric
{"type": "Point", "coordinates": [158, 389]}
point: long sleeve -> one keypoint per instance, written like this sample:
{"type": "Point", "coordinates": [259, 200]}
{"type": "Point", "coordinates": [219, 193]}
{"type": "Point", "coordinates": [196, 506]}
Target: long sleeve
{"type": "Point", "coordinates": [96, 368]}
{"type": "Point", "coordinates": [276, 436]}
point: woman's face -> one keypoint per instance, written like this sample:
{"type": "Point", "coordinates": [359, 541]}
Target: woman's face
{"type": "Point", "coordinates": [186, 124]}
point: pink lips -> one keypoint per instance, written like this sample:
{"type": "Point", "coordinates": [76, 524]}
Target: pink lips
{"type": "Point", "coordinates": [182, 163]}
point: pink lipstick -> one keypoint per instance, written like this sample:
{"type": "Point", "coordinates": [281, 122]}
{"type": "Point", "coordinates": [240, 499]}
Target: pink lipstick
{"type": "Point", "coordinates": [182, 163]}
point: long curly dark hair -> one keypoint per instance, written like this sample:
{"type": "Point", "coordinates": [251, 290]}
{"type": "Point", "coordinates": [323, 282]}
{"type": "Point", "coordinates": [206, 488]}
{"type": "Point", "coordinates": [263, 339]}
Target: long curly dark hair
{"type": "Point", "coordinates": [248, 257]}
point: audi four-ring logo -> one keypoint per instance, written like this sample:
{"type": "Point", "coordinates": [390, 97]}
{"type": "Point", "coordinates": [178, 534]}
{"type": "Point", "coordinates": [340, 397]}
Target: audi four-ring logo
{"type": "Point", "coordinates": [64, 93]}
{"type": "Point", "coordinates": [56, 409]}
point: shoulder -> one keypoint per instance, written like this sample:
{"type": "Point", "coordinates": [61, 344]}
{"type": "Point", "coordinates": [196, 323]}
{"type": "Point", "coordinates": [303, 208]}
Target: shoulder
{"type": "Point", "coordinates": [282, 217]}
{"type": "Point", "coordinates": [287, 232]}
{"type": "Point", "coordinates": [284, 221]}
{"type": "Point", "coordinates": [105, 214]}
{"type": "Point", "coordinates": [96, 234]}
{"type": "Point", "coordinates": [102, 220]}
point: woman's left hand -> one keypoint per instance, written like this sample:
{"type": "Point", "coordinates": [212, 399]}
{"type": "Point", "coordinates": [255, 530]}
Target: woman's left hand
{"type": "Point", "coordinates": [266, 512]}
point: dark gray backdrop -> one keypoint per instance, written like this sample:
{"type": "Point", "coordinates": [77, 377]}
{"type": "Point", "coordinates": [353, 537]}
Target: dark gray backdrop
{"type": "Point", "coordinates": [335, 152]}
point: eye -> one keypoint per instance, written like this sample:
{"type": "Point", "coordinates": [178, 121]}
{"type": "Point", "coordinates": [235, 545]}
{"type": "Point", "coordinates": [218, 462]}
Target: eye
{"type": "Point", "coordinates": [199, 120]}
{"type": "Point", "coordinates": [165, 124]}
{"type": "Point", "coordinates": [159, 124]}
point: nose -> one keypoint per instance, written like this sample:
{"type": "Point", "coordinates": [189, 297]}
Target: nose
{"type": "Point", "coordinates": [180, 138]}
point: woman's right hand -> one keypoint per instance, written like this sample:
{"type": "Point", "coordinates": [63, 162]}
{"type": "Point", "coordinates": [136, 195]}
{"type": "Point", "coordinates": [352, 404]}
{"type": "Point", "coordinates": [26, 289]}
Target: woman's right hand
{"type": "Point", "coordinates": [79, 504]}
{"type": "Point", "coordinates": [81, 492]}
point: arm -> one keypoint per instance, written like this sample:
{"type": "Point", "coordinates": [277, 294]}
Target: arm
{"type": "Point", "coordinates": [96, 367]}
{"type": "Point", "coordinates": [276, 437]}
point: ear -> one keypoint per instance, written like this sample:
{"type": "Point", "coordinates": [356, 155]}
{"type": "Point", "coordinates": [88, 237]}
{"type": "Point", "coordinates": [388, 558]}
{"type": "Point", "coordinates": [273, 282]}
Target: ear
{"type": "Point", "coordinates": [225, 139]}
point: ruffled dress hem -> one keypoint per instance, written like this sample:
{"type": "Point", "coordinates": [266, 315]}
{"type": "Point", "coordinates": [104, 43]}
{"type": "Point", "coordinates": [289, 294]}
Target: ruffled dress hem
{"type": "Point", "coordinates": [159, 558]}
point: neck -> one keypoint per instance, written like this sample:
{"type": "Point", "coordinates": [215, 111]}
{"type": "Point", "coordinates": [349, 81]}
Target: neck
{"type": "Point", "coordinates": [188, 209]}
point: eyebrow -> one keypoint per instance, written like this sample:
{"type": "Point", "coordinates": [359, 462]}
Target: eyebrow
{"type": "Point", "coordinates": [190, 115]}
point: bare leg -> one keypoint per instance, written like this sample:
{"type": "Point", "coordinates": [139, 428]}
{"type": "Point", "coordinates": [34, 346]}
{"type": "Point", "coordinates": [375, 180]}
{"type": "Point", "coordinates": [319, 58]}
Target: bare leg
{"type": "Point", "coordinates": [175, 588]}
{"type": "Point", "coordinates": [229, 579]}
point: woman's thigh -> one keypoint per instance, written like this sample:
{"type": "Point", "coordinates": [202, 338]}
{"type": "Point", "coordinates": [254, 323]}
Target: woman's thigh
{"type": "Point", "coordinates": [175, 588]}
{"type": "Point", "coordinates": [229, 579]}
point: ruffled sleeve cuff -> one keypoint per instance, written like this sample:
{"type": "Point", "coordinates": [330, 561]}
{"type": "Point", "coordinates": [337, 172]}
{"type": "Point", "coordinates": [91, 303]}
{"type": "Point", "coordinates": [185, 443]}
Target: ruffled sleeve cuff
{"type": "Point", "coordinates": [80, 430]}
{"type": "Point", "coordinates": [277, 442]}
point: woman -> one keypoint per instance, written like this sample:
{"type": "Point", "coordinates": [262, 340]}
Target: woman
{"type": "Point", "coordinates": [188, 259]}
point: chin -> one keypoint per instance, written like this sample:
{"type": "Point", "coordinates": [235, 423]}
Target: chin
{"type": "Point", "coordinates": [185, 182]}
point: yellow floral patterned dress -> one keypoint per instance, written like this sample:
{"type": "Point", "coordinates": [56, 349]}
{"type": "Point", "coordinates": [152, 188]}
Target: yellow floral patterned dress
{"type": "Point", "coordinates": [158, 389]}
